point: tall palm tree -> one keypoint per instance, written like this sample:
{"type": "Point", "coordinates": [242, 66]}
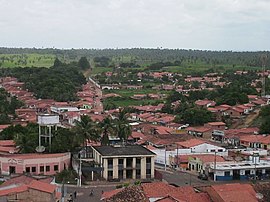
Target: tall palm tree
{"type": "Point", "coordinates": [122, 126]}
{"type": "Point", "coordinates": [85, 130]}
{"type": "Point", "coordinates": [107, 127]}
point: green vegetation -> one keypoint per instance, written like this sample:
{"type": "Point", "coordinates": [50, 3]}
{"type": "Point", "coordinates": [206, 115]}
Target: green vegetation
{"type": "Point", "coordinates": [265, 116]}
{"type": "Point", "coordinates": [68, 140]}
{"type": "Point", "coordinates": [8, 104]}
{"type": "Point", "coordinates": [66, 176]}
{"type": "Point", "coordinates": [59, 82]}
{"type": "Point", "coordinates": [26, 60]}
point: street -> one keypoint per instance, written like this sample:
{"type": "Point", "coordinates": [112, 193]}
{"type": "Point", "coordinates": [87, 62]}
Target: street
{"type": "Point", "coordinates": [83, 194]}
{"type": "Point", "coordinates": [180, 178]}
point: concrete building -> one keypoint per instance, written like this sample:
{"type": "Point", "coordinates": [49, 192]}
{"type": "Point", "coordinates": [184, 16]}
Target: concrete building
{"type": "Point", "coordinates": [125, 162]}
{"type": "Point", "coordinates": [231, 170]}
{"type": "Point", "coordinates": [189, 147]}
{"type": "Point", "coordinates": [35, 164]}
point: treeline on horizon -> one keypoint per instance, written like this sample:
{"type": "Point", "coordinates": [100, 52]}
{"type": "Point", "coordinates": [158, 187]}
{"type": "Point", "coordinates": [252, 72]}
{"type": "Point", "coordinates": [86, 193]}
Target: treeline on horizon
{"type": "Point", "coordinates": [144, 55]}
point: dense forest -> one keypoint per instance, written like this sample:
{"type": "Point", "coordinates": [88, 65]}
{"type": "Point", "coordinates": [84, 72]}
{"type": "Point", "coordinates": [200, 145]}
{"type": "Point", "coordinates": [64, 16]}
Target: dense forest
{"type": "Point", "coordinates": [60, 82]}
{"type": "Point", "coordinates": [149, 56]}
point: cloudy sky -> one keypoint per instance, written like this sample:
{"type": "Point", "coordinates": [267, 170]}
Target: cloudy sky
{"type": "Point", "coordinates": [188, 24]}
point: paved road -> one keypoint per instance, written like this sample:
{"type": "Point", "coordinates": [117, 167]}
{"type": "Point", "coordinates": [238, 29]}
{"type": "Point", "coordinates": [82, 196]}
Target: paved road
{"type": "Point", "coordinates": [183, 179]}
{"type": "Point", "coordinates": [83, 193]}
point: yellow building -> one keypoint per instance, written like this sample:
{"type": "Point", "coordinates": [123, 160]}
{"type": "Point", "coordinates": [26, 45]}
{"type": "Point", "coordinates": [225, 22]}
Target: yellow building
{"type": "Point", "coordinates": [125, 162]}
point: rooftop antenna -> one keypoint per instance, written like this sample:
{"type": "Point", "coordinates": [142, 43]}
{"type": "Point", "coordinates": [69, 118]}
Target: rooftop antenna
{"type": "Point", "coordinates": [263, 60]}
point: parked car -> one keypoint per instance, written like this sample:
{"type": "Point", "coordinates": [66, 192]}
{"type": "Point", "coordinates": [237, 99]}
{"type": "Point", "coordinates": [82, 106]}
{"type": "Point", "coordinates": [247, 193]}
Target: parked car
{"type": "Point", "coordinates": [203, 176]}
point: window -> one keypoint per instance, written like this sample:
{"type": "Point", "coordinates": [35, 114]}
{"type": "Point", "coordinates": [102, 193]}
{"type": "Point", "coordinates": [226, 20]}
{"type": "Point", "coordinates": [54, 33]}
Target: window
{"type": "Point", "coordinates": [138, 161]}
{"type": "Point", "coordinates": [110, 174]}
{"type": "Point", "coordinates": [47, 168]}
{"type": "Point", "coordinates": [110, 163]}
{"type": "Point", "coordinates": [27, 169]}
{"type": "Point", "coordinates": [129, 162]}
{"type": "Point", "coordinates": [220, 150]}
{"type": "Point", "coordinates": [247, 172]}
{"type": "Point", "coordinates": [41, 168]}
{"type": "Point", "coordinates": [120, 161]}
{"type": "Point", "coordinates": [227, 173]}
{"type": "Point", "coordinates": [148, 160]}
{"type": "Point", "coordinates": [34, 169]}
{"type": "Point", "coordinates": [55, 167]}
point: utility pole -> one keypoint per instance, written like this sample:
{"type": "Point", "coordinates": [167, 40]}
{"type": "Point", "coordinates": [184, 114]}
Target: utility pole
{"type": "Point", "coordinates": [177, 156]}
{"type": "Point", "coordinates": [165, 160]}
{"type": "Point", "coordinates": [215, 165]}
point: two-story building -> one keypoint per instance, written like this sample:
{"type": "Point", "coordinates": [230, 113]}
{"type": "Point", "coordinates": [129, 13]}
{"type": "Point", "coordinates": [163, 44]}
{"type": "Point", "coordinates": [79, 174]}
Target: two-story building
{"type": "Point", "coordinates": [124, 162]}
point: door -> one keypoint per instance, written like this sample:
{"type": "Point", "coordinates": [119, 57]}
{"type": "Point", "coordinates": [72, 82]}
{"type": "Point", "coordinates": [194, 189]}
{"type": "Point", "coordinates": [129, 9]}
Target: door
{"type": "Point", "coordinates": [12, 169]}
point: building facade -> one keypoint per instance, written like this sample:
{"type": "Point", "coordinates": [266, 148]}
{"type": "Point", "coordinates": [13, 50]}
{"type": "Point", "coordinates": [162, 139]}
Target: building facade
{"type": "Point", "coordinates": [35, 164]}
{"type": "Point", "coordinates": [125, 162]}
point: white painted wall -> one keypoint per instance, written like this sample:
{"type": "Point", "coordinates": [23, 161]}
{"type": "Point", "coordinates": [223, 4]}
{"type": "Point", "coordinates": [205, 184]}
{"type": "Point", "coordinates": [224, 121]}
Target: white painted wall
{"type": "Point", "coordinates": [200, 149]}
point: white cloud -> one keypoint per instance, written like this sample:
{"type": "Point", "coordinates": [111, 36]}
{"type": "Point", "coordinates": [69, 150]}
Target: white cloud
{"type": "Point", "coordinates": [202, 24]}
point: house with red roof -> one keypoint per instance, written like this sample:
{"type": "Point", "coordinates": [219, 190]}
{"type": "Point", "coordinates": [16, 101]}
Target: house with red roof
{"type": "Point", "coordinates": [199, 162]}
{"type": "Point", "coordinates": [252, 141]}
{"type": "Point", "coordinates": [235, 112]}
{"type": "Point", "coordinates": [235, 192]}
{"type": "Point", "coordinates": [205, 103]}
{"type": "Point", "coordinates": [25, 188]}
{"type": "Point", "coordinates": [161, 192]}
{"type": "Point", "coordinates": [216, 125]}
{"type": "Point", "coordinates": [200, 131]}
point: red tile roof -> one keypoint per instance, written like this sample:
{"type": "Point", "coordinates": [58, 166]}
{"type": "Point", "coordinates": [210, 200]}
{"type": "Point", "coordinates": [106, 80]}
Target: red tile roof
{"type": "Point", "coordinates": [109, 194]}
{"type": "Point", "coordinates": [2, 127]}
{"type": "Point", "coordinates": [251, 138]}
{"type": "Point", "coordinates": [198, 129]}
{"type": "Point", "coordinates": [208, 158]}
{"type": "Point", "coordinates": [19, 189]}
{"type": "Point", "coordinates": [135, 134]}
{"type": "Point", "coordinates": [235, 192]}
{"type": "Point", "coordinates": [7, 143]}
{"type": "Point", "coordinates": [191, 143]}
{"type": "Point", "coordinates": [216, 123]}
{"type": "Point", "coordinates": [157, 189]}
{"type": "Point", "coordinates": [42, 186]}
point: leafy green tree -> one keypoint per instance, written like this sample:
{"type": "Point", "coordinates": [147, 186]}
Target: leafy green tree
{"type": "Point", "coordinates": [265, 115]}
{"type": "Point", "coordinates": [12, 131]}
{"type": "Point", "coordinates": [83, 63]}
{"type": "Point", "coordinates": [64, 140]}
{"type": "Point", "coordinates": [57, 63]}
{"type": "Point", "coordinates": [197, 116]}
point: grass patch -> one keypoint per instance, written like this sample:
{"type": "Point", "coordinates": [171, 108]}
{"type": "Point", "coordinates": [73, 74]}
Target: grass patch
{"type": "Point", "coordinates": [131, 92]}
{"type": "Point", "coordinates": [26, 60]}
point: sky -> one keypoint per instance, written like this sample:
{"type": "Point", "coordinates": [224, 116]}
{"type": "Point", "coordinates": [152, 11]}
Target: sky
{"type": "Point", "coordinates": [237, 25]}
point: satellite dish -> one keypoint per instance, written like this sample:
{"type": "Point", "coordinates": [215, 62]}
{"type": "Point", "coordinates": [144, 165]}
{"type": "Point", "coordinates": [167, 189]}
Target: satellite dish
{"type": "Point", "coordinates": [40, 149]}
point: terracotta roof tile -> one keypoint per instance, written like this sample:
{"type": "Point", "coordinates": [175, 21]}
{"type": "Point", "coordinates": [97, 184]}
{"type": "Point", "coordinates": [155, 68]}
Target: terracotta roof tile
{"type": "Point", "coordinates": [191, 143]}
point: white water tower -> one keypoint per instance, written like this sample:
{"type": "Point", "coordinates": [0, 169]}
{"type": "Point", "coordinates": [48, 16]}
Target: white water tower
{"type": "Point", "coordinates": [46, 122]}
